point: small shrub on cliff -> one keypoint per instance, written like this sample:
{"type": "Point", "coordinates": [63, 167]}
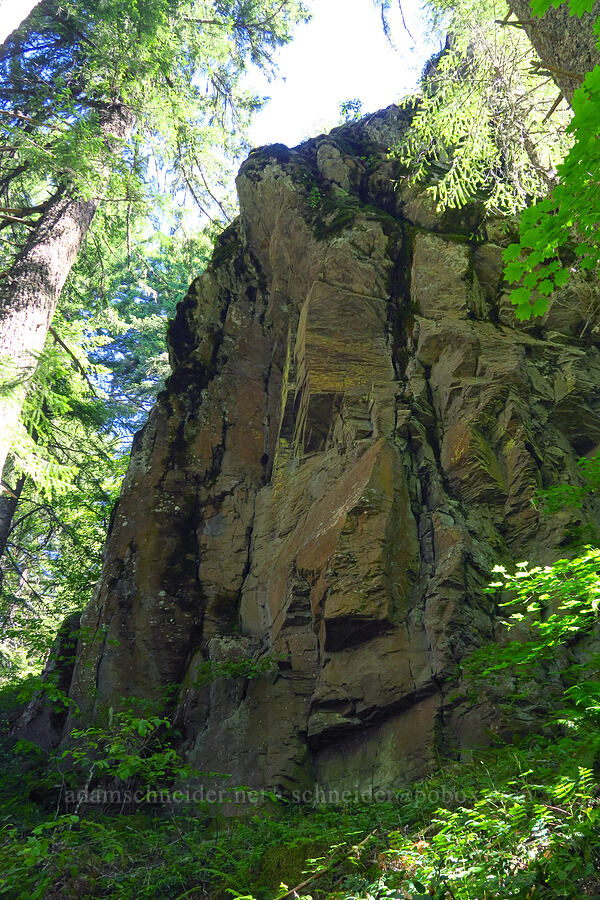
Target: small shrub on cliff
{"type": "Point", "coordinates": [558, 607]}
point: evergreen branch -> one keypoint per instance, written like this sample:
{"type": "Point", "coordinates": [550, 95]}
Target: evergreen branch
{"type": "Point", "coordinates": [23, 210]}
{"type": "Point", "coordinates": [80, 368]}
{"type": "Point", "coordinates": [212, 196]}
{"type": "Point", "coordinates": [19, 170]}
{"type": "Point", "coordinates": [61, 19]}
{"type": "Point", "coordinates": [20, 221]}
{"type": "Point", "coordinates": [20, 572]}
{"type": "Point", "coordinates": [239, 23]}
{"type": "Point", "coordinates": [519, 23]}
{"type": "Point", "coordinates": [195, 197]}
{"type": "Point", "coordinates": [37, 507]}
{"type": "Point", "coordinates": [17, 114]}
{"type": "Point", "coordinates": [540, 67]}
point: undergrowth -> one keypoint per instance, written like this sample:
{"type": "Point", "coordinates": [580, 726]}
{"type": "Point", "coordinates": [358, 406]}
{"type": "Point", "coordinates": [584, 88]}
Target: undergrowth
{"type": "Point", "coordinates": [516, 821]}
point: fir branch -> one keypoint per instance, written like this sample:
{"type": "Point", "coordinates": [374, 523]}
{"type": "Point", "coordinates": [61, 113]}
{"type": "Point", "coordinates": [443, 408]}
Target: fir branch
{"type": "Point", "coordinates": [78, 365]}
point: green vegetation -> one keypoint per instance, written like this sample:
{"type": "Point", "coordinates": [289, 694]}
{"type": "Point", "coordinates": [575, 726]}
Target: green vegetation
{"type": "Point", "coordinates": [520, 819]}
{"type": "Point", "coordinates": [108, 110]}
{"type": "Point", "coordinates": [176, 72]}
{"type": "Point", "coordinates": [486, 127]}
{"type": "Point", "coordinates": [100, 372]}
{"type": "Point", "coordinates": [490, 127]}
{"type": "Point", "coordinates": [568, 216]}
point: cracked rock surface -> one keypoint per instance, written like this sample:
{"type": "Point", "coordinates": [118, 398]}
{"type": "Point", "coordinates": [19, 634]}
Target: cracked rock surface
{"type": "Point", "coordinates": [352, 437]}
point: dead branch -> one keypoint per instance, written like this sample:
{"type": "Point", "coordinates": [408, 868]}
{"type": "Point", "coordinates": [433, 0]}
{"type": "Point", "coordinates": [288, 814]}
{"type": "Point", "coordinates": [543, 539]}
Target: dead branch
{"type": "Point", "coordinates": [333, 863]}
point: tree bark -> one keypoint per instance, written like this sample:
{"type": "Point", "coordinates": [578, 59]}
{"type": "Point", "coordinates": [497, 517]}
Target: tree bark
{"type": "Point", "coordinates": [9, 501]}
{"type": "Point", "coordinates": [30, 290]}
{"type": "Point", "coordinates": [565, 44]}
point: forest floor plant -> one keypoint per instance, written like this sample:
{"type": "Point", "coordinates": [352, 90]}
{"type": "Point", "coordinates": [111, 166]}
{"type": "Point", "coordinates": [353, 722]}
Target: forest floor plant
{"type": "Point", "coordinates": [520, 819]}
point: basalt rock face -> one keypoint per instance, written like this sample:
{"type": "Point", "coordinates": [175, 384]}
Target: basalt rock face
{"type": "Point", "coordinates": [565, 43]}
{"type": "Point", "coordinates": [352, 436]}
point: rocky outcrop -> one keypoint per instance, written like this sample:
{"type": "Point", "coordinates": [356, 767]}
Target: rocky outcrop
{"type": "Point", "coordinates": [353, 434]}
{"type": "Point", "coordinates": [565, 42]}
{"type": "Point", "coordinates": [43, 719]}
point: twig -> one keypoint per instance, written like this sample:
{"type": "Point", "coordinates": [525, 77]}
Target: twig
{"type": "Point", "coordinates": [520, 23]}
{"type": "Point", "coordinates": [212, 196]}
{"type": "Point", "coordinates": [23, 210]}
{"type": "Point", "coordinates": [189, 186]}
{"type": "Point", "coordinates": [39, 597]}
{"type": "Point", "coordinates": [553, 107]}
{"type": "Point", "coordinates": [449, 889]}
{"type": "Point", "coordinates": [83, 794]}
{"type": "Point", "coordinates": [328, 868]}
{"type": "Point", "coordinates": [60, 793]}
{"type": "Point", "coordinates": [237, 23]}
{"type": "Point", "coordinates": [8, 490]}
{"type": "Point", "coordinates": [406, 28]}
{"type": "Point", "coordinates": [18, 219]}
{"type": "Point", "coordinates": [542, 65]}
{"type": "Point", "coordinates": [16, 115]}
{"type": "Point", "coordinates": [80, 368]}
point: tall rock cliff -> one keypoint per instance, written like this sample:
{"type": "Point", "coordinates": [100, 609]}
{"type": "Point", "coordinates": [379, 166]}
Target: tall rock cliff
{"type": "Point", "coordinates": [352, 436]}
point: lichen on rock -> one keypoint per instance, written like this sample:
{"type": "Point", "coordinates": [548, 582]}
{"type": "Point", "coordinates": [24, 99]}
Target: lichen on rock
{"type": "Point", "coordinates": [353, 435]}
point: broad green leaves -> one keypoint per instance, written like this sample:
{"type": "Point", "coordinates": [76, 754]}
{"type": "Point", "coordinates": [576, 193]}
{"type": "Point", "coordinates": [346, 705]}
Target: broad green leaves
{"type": "Point", "coordinates": [571, 214]}
{"type": "Point", "coordinates": [484, 132]}
{"type": "Point", "coordinates": [557, 602]}
{"type": "Point", "coordinates": [577, 7]}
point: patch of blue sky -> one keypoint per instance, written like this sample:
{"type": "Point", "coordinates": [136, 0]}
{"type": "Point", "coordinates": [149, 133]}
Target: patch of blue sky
{"type": "Point", "coordinates": [341, 54]}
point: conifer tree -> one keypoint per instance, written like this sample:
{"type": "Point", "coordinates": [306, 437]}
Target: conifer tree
{"type": "Point", "coordinates": [87, 88]}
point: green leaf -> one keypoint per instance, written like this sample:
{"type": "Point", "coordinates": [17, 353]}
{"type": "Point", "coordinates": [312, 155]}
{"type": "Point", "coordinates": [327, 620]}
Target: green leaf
{"type": "Point", "coordinates": [540, 7]}
{"type": "Point", "coordinates": [579, 7]}
{"type": "Point", "coordinates": [512, 252]}
{"type": "Point", "coordinates": [592, 79]}
{"type": "Point", "coordinates": [531, 279]}
{"type": "Point", "coordinates": [545, 287]}
{"type": "Point", "coordinates": [514, 271]}
{"type": "Point", "coordinates": [520, 296]}
{"type": "Point", "coordinates": [539, 307]}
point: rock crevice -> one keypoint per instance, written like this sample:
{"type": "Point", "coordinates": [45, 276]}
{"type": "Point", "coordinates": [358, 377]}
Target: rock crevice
{"type": "Point", "coordinates": [353, 435]}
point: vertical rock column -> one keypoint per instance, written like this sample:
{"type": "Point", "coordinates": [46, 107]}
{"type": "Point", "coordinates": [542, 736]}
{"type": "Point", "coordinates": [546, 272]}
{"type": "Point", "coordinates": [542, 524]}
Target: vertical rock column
{"type": "Point", "coordinates": [353, 434]}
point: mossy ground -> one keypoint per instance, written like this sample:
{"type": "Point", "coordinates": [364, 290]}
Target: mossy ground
{"type": "Point", "coordinates": [517, 821]}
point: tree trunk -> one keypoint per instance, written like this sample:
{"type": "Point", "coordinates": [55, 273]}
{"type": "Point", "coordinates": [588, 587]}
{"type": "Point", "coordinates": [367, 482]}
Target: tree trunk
{"type": "Point", "coordinates": [565, 44]}
{"type": "Point", "coordinates": [9, 500]}
{"type": "Point", "coordinates": [30, 290]}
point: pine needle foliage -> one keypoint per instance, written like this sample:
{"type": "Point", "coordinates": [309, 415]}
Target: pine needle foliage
{"type": "Point", "coordinates": [177, 67]}
{"type": "Point", "coordinates": [485, 127]}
